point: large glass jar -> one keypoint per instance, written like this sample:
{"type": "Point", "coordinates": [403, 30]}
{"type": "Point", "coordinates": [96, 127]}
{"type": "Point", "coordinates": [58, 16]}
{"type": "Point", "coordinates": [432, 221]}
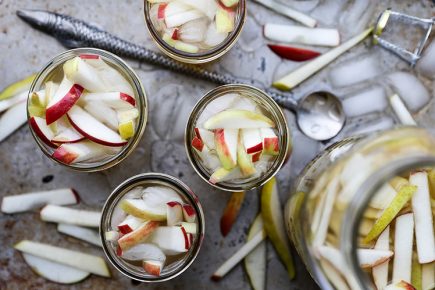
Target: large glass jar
{"type": "Point", "coordinates": [332, 211]}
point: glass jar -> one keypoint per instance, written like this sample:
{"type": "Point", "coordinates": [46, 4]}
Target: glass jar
{"type": "Point", "coordinates": [201, 56]}
{"type": "Point", "coordinates": [274, 112]}
{"type": "Point", "coordinates": [144, 180]}
{"type": "Point", "coordinates": [127, 72]}
{"type": "Point", "coordinates": [351, 171]}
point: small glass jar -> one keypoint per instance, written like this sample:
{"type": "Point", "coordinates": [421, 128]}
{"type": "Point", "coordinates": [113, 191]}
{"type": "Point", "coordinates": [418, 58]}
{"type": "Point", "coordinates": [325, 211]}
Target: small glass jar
{"type": "Point", "coordinates": [144, 180]}
{"type": "Point", "coordinates": [274, 113]}
{"type": "Point", "coordinates": [201, 56]}
{"type": "Point", "coordinates": [370, 162]}
{"type": "Point", "coordinates": [52, 68]}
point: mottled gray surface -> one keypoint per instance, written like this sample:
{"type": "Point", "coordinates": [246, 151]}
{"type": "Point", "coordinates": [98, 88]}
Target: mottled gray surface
{"type": "Point", "coordinates": [24, 50]}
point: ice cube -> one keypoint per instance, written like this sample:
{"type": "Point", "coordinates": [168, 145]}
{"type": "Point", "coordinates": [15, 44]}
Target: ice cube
{"type": "Point", "coordinates": [426, 64]}
{"type": "Point", "coordinates": [355, 71]}
{"type": "Point", "coordinates": [356, 17]}
{"type": "Point", "coordinates": [215, 106]}
{"type": "Point", "coordinates": [371, 100]}
{"type": "Point", "coordinates": [193, 31]}
{"type": "Point", "coordinates": [410, 89]}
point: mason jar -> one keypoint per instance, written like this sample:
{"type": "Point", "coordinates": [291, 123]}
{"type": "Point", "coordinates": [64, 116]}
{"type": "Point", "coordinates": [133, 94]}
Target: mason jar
{"type": "Point", "coordinates": [332, 210]}
{"type": "Point", "coordinates": [51, 72]}
{"type": "Point", "coordinates": [204, 54]}
{"type": "Point", "coordinates": [136, 272]}
{"type": "Point", "coordinates": [269, 107]}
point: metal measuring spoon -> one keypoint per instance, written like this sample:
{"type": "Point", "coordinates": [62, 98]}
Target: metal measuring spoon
{"type": "Point", "coordinates": [319, 115]}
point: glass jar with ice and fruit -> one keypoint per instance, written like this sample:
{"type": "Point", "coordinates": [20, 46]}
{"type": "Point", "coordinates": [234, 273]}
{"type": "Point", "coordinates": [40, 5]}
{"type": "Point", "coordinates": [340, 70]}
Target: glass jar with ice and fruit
{"type": "Point", "coordinates": [362, 213]}
{"type": "Point", "coordinates": [195, 31]}
{"type": "Point", "coordinates": [87, 109]}
{"type": "Point", "coordinates": [152, 227]}
{"type": "Point", "coordinates": [237, 138]}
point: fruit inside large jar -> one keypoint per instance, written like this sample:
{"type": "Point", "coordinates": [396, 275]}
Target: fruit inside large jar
{"type": "Point", "coordinates": [395, 240]}
{"type": "Point", "coordinates": [193, 26]}
{"type": "Point", "coordinates": [86, 110]}
{"type": "Point", "coordinates": [235, 139]}
{"type": "Point", "coordinates": [152, 229]}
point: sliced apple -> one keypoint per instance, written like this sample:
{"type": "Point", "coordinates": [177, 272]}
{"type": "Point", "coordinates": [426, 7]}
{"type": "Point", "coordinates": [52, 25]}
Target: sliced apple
{"type": "Point", "coordinates": [230, 3]}
{"type": "Point", "coordinates": [127, 115]}
{"type": "Point", "coordinates": [231, 211]}
{"type": "Point", "coordinates": [302, 73]}
{"type": "Point", "coordinates": [239, 255]}
{"type": "Point", "coordinates": [103, 113]}
{"type": "Point", "coordinates": [171, 240]}
{"type": "Point", "coordinates": [224, 20]}
{"type": "Point", "coordinates": [93, 129]}
{"type": "Point", "coordinates": [272, 214]}
{"type": "Point", "coordinates": [17, 87]}
{"type": "Point", "coordinates": [145, 251]}
{"type": "Point", "coordinates": [129, 224]}
{"type": "Point", "coordinates": [178, 19]}
{"type": "Point", "coordinates": [137, 236]}
{"type": "Point", "coordinates": [140, 209]}
{"type": "Point", "coordinates": [55, 272]}
{"type": "Point", "coordinates": [244, 160]}
{"type": "Point", "coordinates": [115, 100]}
{"type": "Point", "coordinates": [21, 97]}
{"type": "Point", "coordinates": [191, 228]}
{"type": "Point", "coordinates": [79, 260]}
{"type": "Point", "coordinates": [65, 98]}
{"type": "Point", "coordinates": [252, 140]}
{"type": "Point", "coordinates": [424, 232]}
{"type": "Point", "coordinates": [153, 267]}
{"type": "Point", "coordinates": [333, 275]}
{"type": "Point", "coordinates": [207, 137]}
{"type": "Point", "coordinates": [80, 233]}
{"type": "Point", "coordinates": [59, 214]}
{"type": "Point", "coordinates": [207, 7]}
{"type": "Point", "coordinates": [383, 197]}
{"type": "Point", "coordinates": [235, 119]}
{"type": "Point", "coordinates": [401, 285]}
{"type": "Point", "coordinates": [293, 53]}
{"type": "Point", "coordinates": [221, 174]}
{"type": "Point", "coordinates": [127, 129]}
{"type": "Point", "coordinates": [65, 132]}
{"type": "Point", "coordinates": [32, 200]}
{"type": "Point", "coordinates": [403, 242]}
{"type": "Point", "coordinates": [189, 213]}
{"type": "Point", "coordinates": [399, 201]}
{"type": "Point", "coordinates": [380, 272]}
{"type": "Point", "coordinates": [43, 131]}
{"type": "Point", "coordinates": [255, 261]}
{"type": "Point", "coordinates": [369, 258]}
{"type": "Point", "coordinates": [186, 47]}
{"type": "Point", "coordinates": [226, 147]}
{"type": "Point", "coordinates": [270, 141]}
{"type": "Point", "coordinates": [12, 119]}
{"type": "Point", "coordinates": [174, 213]}
{"type": "Point", "coordinates": [81, 151]}
{"type": "Point", "coordinates": [80, 72]}
{"type": "Point", "coordinates": [197, 144]}
{"type": "Point", "coordinates": [428, 276]}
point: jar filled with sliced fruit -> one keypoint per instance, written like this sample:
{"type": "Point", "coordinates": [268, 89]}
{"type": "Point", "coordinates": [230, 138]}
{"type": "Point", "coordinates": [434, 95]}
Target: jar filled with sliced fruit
{"type": "Point", "coordinates": [237, 137]}
{"type": "Point", "coordinates": [362, 215]}
{"type": "Point", "coordinates": [87, 109]}
{"type": "Point", "coordinates": [152, 227]}
{"type": "Point", "coordinates": [195, 31]}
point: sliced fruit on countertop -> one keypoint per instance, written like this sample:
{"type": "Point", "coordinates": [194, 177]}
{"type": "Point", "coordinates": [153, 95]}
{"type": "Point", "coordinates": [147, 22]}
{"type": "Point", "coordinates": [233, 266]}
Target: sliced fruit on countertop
{"type": "Point", "coordinates": [369, 258]}
{"type": "Point", "coordinates": [83, 74]}
{"type": "Point", "coordinates": [226, 147]}
{"type": "Point", "coordinates": [399, 201]}
{"type": "Point", "coordinates": [81, 151]}
{"type": "Point", "coordinates": [60, 214]}
{"type": "Point", "coordinates": [153, 267]}
{"type": "Point", "coordinates": [421, 207]}
{"type": "Point", "coordinates": [235, 119]}
{"type": "Point", "coordinates": [271, 211]}
{"type": "Point", "coordinates": [293, 53]}
{"type": "Point", "coordinates": [239, 255]}
{"type": "Point", "coordinates": [129, 224]}
{"type": "Point", "coordinates": [43, 131]}
{"type": "Point", "coordinates": [403, 244]}
{"type": "Point", "coordinates": [401, 285]}
{"type": "Point", "coordinates": [307, 70]}
{"type": "Point", "coordinates": [171, 240]}
{"type": "Point", "coordinates": [55, 272]}
{"type": "Point", "coordinates": [189, 213]}
{"type": "Point", "coordinates": [12, 119]}
{"type": "Point", "coordinates": [139, 235]}
{"type": "Point", "coordinates": [93, 129]}
{"type": "Point", "coordinates": [380, 272]}
{"type": "Point", "coordinates": [115, 100]}
{"type": "Point", "coordinates": [231, 211]}
{"type": "Point", "coordinates": [10, 102]}
{"type": "Point", "coordinates": [85, 262]}
{"type": "Point", "coordinates": [301, 35]}
{"type": "Point", "coordinates": [255, 261]}
{"type": "Point", "coordinates": [32, 200]}
{"type": "Point", "coordinates": [270, 141]}
{"type": "Point", "coordinates": [84, 234]}
{"type": "Point", "coordinates": [17, 87]}
{"type": "Point", "coordinates": [174, 213]}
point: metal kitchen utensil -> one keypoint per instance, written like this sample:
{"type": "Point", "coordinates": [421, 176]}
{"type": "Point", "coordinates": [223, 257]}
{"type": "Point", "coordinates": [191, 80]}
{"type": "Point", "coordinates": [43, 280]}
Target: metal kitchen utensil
{"type": "Point", "coordinates": [389, 17]}
{"type": "Point", "coordinates": [327, 113]}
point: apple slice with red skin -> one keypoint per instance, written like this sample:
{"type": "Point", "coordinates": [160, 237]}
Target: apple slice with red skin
{"type": "Point", "coordinates": [401, 285]}
{"type": "Point", "coordinates": [252, 140]}
{"type": "Point", "coordinates": [226, 147]}
{"type": "Point", "coordinates": [189, 213]}
{"type": "Point", "coordinates": [153, 267]}
{"type": "Point", "coordinates": [129, 224]}
{"type": "Point", "coordinates": [206, 136]}
{"type": "Point", "coordinates": [144, 251]}
{"type": "Point", "coordinates": [66, 132]}
{"type": "Point", "coordinates": [60, 214]}
{"type": "Point", "coordinates": [197, 144]}
{"type": "Point", "coordinates": [256, 156]}
{"type": "Point", "coordinates": [80, 72]}
{"type": "Point", "coordinates": [174, 213]}
{"type": "Point", "coordinates": [270, 141]}
{"type": "Point", "coordinates": [41, 129]}
{"type": "Point", "coordinates": [231, 211]}
{"type": "Point", "coordinates": [369, 258]}
{"type": "Point", "coordinates": [161, 11]}
{"type": "Point", "coordinates": [116, 100]}
{"type": "Point", "coordinates": [171, 240]}
{"type": "Point", "coordinates": [64, 99]}
{"type": "Point", "coordinates": [93, 129]}
{"type": "Point", "coordinates": [81, 151]}
{"type": "Point", "coordinates": [137, 236]}
{"type": "Point", "coordinates": [293, 53]}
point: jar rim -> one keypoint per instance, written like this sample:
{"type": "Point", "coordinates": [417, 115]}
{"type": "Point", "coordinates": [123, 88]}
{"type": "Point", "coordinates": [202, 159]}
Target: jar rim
{"type": "Point", "coordinates": [138, 89]}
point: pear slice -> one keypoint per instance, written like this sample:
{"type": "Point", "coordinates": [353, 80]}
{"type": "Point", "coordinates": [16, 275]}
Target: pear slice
{"type": "Point", "coordinates": [398, 182]}
{"type": "Point", "coordinates": [231, 211]}
{"type": "Point", "coordinates": [401, 285]}
{"type": "Point", "coordinates": [380, 272]}
{"type": "Point", "coordinates": [403, 242]}
{"type": "Point", "coordinates": [333, 275]}
{"type": "Point", "coordinates": [140, 209]}
{"type": "Point", "coordinates": [235, 119]}
{"type": "Point", "coordinates": [431, 179]}
{"type": "Point", "coordinates": [272, 214]}
{"type": "Point", "coordinates": [416, 273]}
{"type": "Point", "coordinates": [255, 262]}
{"type": "Point", "coordinates": [428, 276]}
{"type": "Point", "coordinates": [383, 197]}
{"type": "Point", "coordinates": [399, 201]}
{"type": "Point", "coordinates": [17, 87]}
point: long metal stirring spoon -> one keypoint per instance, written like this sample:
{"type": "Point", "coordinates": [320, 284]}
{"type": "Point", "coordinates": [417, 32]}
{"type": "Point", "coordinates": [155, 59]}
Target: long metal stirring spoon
{"type": "Point", "coordinates": [319, 115]}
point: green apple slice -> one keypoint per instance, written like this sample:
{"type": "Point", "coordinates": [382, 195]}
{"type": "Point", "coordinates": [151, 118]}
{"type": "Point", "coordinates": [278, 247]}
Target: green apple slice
{"type": "Point", "coordinates": [17, 87]}
{"type": "Point", "coordinates": [272, 214]}
{"type": "Point", "coordinates": [255, 262]}
{"type": "Point", "coordinates": [399, 201]}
